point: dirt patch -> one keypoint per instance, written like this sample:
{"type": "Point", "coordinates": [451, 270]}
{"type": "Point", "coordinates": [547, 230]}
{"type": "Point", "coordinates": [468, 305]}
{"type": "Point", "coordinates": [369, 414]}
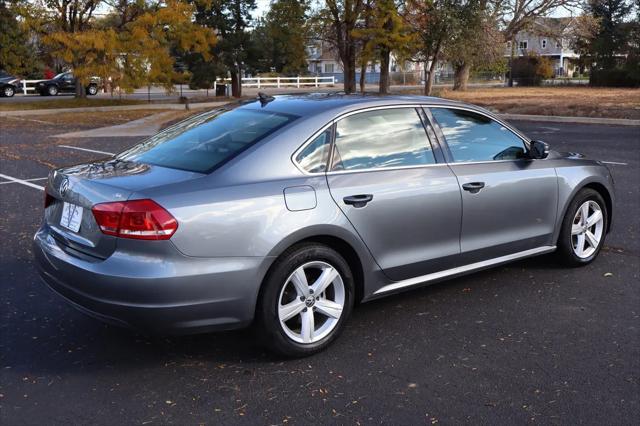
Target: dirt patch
{"type": "Point", "coordinates": [87, 120]}
{"type": "Point", "coordinates": [68, 102]}
{"type": "Point", "coordinates": [558, 101]}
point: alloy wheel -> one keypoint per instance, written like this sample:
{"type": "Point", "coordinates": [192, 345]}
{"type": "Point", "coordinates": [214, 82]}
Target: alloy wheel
{"type": "Point", "coordinates": [8, 92]}
{"type": "Point", "coordinates": [311, 302]}
{"type": "Point", "coordinates": [587, 229]}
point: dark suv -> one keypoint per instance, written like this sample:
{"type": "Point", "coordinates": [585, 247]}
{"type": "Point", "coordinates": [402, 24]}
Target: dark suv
{"type": "Point", "coordinates": [64, 83]}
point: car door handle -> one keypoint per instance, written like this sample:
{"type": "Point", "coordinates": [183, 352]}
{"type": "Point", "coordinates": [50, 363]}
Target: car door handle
{"type": "Point", "coordinates": [473, 187]}
{"type": "Point", "coordinates": [359, 200]}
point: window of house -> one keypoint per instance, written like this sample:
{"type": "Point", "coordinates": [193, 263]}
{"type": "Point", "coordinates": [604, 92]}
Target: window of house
{"type": "Point", "coordinates": [475, 137]}
{"type": "Point", "coordinates": [523, 44]}
{"type": "Point", "coordinates": [328, 68]}
{"type": "Point", "coordinates": [543, 43]}
{"type": "Point", "coordinates": [380, 139]}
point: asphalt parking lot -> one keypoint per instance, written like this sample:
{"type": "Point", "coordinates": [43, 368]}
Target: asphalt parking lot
{"type": "Point", "coordinates": [527, 342]}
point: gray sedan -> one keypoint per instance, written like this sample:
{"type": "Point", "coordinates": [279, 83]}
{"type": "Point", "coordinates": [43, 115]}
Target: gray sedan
{"type": "Point", "coordinates": [287, 211]}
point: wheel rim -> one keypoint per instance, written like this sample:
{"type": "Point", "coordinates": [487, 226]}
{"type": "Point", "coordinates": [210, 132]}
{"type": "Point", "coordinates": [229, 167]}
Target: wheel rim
{"type": "Point", "coordinates": [311, 302]}
{"type": "Point", "coordinates": [53, 91]}
{"type": "Point", "coordinates": [587, 229]}
{"type": "Point", "coordinates": [8, 92]}
{"type": "Point", "coordinates": [92, 90]}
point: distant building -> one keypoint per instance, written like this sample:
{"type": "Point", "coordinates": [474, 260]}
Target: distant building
{"type": "Point", "coordinates": [549, 37]}
{"type": "Point", "coordinates": [324, 60]}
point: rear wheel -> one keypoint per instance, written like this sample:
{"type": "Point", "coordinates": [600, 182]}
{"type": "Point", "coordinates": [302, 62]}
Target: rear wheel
{"type": "Point", "coordinates": [8, 91]}
{"type": "Point", "coordinates": [583, 229]}
{"type": "Point", "coordinates": [306, 300]}
{"type": "Point", "coordinates": [92, 90]}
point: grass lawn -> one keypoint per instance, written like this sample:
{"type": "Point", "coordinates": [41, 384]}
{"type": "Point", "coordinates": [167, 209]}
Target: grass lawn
{"type": "Point", "coordinates": [559, 101]}
{"type": "Point", "coordinates": [67, 102]}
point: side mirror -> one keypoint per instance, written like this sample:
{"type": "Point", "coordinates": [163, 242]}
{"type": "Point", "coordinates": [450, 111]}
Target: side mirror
{"type": "Point", "coordinates": [538, 150]}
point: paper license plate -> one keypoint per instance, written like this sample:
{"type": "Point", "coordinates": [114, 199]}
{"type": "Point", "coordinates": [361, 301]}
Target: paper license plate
{"type": "Point", "coordinates": [71, 216]}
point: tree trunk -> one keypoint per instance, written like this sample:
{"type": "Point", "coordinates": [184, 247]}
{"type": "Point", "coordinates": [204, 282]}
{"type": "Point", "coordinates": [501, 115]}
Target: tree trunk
{"type": "Point", "coordinates": [461, 77]}
{"type": "Point", "coordinates": [428, 82]}
{"type": "Point", "coordinates": [236, 83]}
{"type": "Point", "coordinates": [513, 53]}
{"type": "Point", "coordinates": [383, 86]}
{"type": "Point", "coordinates": [80, 92]}
{"type": "Point", "coordinates": [363, 76]}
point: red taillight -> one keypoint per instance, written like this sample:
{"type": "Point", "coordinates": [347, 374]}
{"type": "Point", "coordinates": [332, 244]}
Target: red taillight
{"type": "Point", "coordinates": [48, 199]}
{"type": "Point", "coordinates": [139, 219]}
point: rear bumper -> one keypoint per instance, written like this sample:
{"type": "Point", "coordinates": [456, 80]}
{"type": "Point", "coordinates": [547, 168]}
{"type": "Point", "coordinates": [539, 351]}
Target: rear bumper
{"type": "Point", "coordinates": [158, 292]}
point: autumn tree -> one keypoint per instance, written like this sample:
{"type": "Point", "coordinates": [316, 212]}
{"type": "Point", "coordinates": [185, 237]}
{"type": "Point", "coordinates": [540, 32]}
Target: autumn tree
{"type": "Point", "coordinates": [433, 22]}
{"type": "Point", "coordinates": [336, 23]}
{"type": "Point", "coordinates": [474, 41]}
{"type": "Point", "coordinates": [384, 32]}
{"type": "Point", "coordinates": [139, 53]}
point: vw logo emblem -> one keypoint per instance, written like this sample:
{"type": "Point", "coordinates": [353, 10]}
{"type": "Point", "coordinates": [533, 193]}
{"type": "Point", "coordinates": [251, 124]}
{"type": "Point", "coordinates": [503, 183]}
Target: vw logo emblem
{"type": "Point", "coordinates": [64, 186]}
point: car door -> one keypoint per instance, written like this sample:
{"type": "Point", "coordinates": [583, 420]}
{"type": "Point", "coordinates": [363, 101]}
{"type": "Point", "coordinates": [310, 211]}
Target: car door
{"type": "Point", "coordinates": [68, 83]}
{"type": "Point", "coordinates": [509, 201]}
{"type": "Point", "coordinates": [385, 176]}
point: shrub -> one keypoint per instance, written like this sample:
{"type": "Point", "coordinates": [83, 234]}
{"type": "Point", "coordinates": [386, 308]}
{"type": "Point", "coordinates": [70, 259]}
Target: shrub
{"type": "Point", "coordinates": [626, 76]}
{"type": "Point", "coordinates": [531, 70]}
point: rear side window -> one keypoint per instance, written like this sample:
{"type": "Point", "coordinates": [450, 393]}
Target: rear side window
{"type": "Point", "coordinates": [475, 137]}
{"type": "Point", "coordinates": [313, 158]}
{"type": "Point", "coordinates": [380, 139]}
{"type": "Point", "coordinates": [204, 142]}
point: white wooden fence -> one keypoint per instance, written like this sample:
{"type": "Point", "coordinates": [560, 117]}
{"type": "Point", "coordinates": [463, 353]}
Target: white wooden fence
{"type": "Point", "coordinates": [259, 82]}
{"type": "Point", "coordinates": [28, 85]}
{"type": "Point", "coordinates": [279, 82]}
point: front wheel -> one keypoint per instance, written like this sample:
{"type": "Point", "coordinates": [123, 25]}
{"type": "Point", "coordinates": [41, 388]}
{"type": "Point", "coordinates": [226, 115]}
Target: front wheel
{"type": "Point", "coordinates": [52, 90]}
{"type": "Point", "coordinates": [92, 90]}
{"type": "Point", "coordinates": [583, 229]}
{"type": "Point", "coordinates": [306, 300]}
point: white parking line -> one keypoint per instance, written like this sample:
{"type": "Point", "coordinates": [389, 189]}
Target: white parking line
{"type": "Point", "coordinates": [615, 162]}
{"type": "Point", "coordinates": [22, 182]}
{"type": "Point", "coordinates": [86, 149]}
{"type": "Point", "coordinates": [26, 180]}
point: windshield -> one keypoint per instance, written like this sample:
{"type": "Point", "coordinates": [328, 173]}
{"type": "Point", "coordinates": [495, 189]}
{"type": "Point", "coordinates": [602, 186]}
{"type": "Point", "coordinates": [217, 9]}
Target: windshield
{"type": "Point", "coordinates": [206, 141]}
{"type": "Point", "coordinates": [59, 75]}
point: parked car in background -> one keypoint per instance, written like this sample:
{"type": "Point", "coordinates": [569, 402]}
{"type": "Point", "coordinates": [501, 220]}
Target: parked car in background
{"type": "Point", "coordinates": [64, 83]}
{"type": "Point", "coordinates": [287, 211]}
{"type": "Point", "coordinates": [8, 84]}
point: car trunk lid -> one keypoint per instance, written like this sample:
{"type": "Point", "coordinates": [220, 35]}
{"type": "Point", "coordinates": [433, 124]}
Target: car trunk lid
{"type": "Point", "coordinates": [86, 185]}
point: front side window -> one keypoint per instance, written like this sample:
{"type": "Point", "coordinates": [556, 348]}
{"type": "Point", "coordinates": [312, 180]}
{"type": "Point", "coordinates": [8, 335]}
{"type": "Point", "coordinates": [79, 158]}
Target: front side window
{"type": "Point", "coordinates": [475, 137]}
{"type": "Point", "coordinates": [313, 158]}
{"type": "Point", "coordinates": [380, 139]}
{"type": "Point", "coordinates": [205, 141]}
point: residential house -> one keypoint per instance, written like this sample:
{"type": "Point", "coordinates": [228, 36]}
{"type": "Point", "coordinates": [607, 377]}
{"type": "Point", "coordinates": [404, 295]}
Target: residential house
{"type": "Point", "coordinates": [549, 37]}
{"type": "Point", "coordinates": [323, 60]}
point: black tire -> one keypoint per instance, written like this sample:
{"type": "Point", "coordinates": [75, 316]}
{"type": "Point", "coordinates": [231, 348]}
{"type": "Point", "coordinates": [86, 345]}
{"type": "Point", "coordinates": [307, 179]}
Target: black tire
{"type": "Point", "coordinates": [52, 90]}
{"type": "Point", "coordinates": [565, 252]}
{"type": "Point", "coordinates": [268, 324]}
{"type": "Point", "coordinates": [92, 90]}
{"type": "Point", "coordinates": [8, 91]}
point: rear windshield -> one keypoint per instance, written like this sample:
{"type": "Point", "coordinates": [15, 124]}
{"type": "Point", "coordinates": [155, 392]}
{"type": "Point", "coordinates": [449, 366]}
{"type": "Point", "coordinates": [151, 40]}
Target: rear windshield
{"type": "Point", "coordinates": [206, 141]}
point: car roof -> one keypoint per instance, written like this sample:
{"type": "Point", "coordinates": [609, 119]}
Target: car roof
{"type": "Point", "coordinates": [338, 102]}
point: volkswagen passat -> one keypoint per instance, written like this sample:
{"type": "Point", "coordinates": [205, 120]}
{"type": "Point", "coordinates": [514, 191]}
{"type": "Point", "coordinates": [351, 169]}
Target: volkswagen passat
{"type": "Point", "coordinates": [289, 210]}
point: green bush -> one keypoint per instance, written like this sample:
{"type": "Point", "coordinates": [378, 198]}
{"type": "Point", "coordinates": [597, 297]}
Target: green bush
{"type": "Point", "coordinates": [531, 70]}
{"type": "Point", "coordinates": [626, 76]}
